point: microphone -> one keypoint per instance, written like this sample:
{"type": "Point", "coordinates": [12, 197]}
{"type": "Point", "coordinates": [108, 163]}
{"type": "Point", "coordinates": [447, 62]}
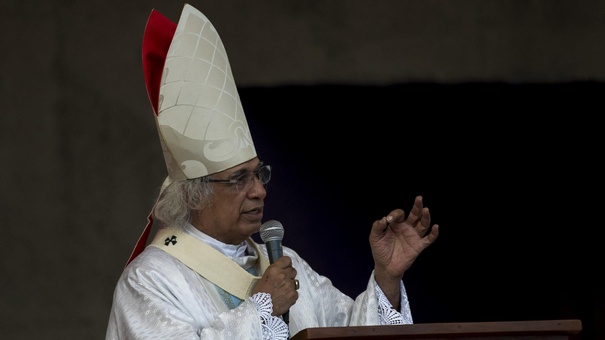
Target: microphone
{"type": "Point", "coordinates": [272, 232]}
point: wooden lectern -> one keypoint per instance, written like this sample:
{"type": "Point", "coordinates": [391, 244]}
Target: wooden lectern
{"type": "Point", "coordinates": [509, 330]}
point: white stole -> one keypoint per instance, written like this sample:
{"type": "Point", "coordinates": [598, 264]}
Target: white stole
{"type": "Point", "coordinates": [209, 262]}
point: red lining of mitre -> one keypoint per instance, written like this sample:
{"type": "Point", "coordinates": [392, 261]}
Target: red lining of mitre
{"type": "Point", "coordinates": [158, 35]}
{"type": "Point", "coordinates": [157, 38]}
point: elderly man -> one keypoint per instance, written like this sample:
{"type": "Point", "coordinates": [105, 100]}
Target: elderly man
{"type": "Point", "coordinates": [202, 276]}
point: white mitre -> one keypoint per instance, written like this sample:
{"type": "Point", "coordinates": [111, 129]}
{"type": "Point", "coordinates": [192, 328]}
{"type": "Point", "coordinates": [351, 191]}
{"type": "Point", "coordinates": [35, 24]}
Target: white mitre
{"type": "Point", "coordinates": [201, 122]}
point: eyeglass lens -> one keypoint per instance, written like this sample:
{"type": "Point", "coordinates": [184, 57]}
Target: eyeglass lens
{"type": "Point", "coordinates": [263, 174]}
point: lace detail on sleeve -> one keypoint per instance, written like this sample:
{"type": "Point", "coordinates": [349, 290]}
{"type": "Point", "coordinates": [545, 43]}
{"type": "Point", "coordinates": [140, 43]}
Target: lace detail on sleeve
{"type": "Point", "coordinates": [274, 328]}
{"type": "Point", "coordinates": [386, 313]}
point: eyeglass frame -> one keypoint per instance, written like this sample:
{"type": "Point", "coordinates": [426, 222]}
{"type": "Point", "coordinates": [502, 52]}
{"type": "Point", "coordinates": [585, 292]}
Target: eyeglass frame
{"type": "Point", "coordinates": [240, 177]}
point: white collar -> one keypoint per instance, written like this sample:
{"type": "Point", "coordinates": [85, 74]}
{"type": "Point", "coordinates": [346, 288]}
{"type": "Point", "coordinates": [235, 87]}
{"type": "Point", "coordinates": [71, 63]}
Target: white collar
{"type": "Point", "coordinates": [233, 251]}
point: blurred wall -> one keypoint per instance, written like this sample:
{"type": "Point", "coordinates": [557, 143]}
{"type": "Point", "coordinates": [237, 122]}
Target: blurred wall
{"type": "Point", "coordinates": [80, 163]}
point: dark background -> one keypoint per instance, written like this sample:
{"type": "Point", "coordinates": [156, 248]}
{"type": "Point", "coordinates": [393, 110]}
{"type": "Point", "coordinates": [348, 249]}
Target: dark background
{"type": "Point", "coordinates": [508, 174]}
{"type": "Point", "coordinates": [489, 109]}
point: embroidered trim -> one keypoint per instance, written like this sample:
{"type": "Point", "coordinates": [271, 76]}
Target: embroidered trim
{"type": "Point", "coordinates": [169, 240]}
{"type": "Point", "coordinates": [386, 313]}
{"type": "Point", "coordinates": [273, 327]}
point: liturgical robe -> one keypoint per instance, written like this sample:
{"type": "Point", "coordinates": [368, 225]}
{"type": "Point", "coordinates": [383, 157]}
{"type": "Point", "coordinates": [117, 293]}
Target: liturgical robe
{"type": "Point", "coordinates": [160, 297]}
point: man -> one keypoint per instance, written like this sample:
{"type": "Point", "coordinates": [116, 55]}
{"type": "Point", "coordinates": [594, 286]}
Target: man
{"type": "Point", "coordinates": [202, 276]}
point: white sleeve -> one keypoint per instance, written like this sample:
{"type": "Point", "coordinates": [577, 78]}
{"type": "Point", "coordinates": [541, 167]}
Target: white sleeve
{"type": "Point", "coordinates": [158, 298]}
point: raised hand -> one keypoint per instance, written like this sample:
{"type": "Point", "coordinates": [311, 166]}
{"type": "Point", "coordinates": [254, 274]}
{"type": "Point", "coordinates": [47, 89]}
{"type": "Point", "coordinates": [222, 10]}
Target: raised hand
{"type": "Point", "coordinates": [396, 242]}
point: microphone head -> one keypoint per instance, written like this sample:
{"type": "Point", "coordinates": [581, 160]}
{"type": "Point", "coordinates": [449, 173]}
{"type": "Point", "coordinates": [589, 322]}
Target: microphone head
{"type": "Point", "coordinates": [271, 231]}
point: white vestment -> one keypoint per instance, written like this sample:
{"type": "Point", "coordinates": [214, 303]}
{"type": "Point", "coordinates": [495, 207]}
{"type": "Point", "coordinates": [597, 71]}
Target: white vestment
{"type": "Point", "coordinates": [158, 297]}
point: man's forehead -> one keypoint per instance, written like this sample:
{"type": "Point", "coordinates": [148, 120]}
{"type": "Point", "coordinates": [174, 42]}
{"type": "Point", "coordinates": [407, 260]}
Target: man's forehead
{"type": "Point", "coordinates": [247, 166]}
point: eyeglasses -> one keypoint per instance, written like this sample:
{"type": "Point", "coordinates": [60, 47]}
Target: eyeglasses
{"type": "Point", "coordinates": [243, 181]}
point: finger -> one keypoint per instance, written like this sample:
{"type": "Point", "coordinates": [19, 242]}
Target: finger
{"type": "Point", "coordinates": [379, 227]}
{"type": "Point", "coordinates": [432, 236]}
{"type": "Point", "coordinates": [416, 213]}
{"type": "Point", "coordinates": [288, 287]}
{"type": "Point", "coordinates": [425, 222]}
{"type": "Point", "coordinates": [283, 262]}
{"type": "Point", "coordinates": [291, 273]}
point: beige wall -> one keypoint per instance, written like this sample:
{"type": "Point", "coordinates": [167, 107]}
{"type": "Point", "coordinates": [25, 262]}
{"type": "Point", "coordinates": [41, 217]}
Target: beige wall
{"type": "Point", "coordinates": [79, 157]}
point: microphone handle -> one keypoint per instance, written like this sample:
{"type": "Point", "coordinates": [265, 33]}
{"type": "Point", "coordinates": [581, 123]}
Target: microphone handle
{"type": "Point", "coordinates": [286, 317]}
{"type": "Point", "coordinates": [275, 251]}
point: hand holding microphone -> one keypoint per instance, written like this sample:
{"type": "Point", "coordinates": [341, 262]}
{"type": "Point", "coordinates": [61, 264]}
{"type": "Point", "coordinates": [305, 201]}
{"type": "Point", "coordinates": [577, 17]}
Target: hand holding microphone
{"type": "Point", "coordinates": [279, 280]}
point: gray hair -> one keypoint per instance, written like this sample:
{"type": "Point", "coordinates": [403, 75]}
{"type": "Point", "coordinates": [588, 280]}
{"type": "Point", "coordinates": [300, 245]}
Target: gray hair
{"type": "Point", "coordinates": [179, 200]}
